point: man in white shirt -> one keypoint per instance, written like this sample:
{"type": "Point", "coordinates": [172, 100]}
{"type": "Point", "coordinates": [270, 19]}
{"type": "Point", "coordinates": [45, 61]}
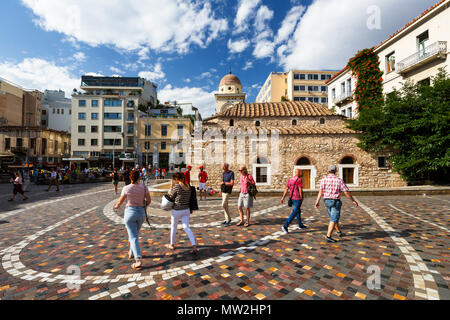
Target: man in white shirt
{"type": "Point", "coordinates": [53, 180]}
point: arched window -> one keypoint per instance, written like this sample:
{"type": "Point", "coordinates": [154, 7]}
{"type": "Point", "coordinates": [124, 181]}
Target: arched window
{"type": "Point", "coordinates": [347, 160]}
{"type": "Point", "coordinates": [232, 123]}
{"type": "Point", "coordinates": [257, 123]}
{"type": "Point", "coordinates": [238, 90]}
{"type": "Point", "coordinates": [322, 121]}
{"type": "Point", "coordinates": [303, 162]}
{"type": "Point", "coordinates": [261, 161]}
{"type": "Point", "coordinates": [294, 122]}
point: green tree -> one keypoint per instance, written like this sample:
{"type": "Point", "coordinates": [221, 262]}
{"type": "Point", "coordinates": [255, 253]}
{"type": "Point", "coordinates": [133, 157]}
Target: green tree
{"type": "Point", "coordinates": [413, 125]}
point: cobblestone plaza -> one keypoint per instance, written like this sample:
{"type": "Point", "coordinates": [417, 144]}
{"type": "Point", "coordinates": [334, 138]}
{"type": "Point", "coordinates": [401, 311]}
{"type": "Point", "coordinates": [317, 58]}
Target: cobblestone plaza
{"type": "Point", "coordinates": [72, 245]}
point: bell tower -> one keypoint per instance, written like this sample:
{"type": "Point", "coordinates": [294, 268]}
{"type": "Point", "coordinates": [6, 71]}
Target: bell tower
{"type": "Point", "coordinates": [230, 92]}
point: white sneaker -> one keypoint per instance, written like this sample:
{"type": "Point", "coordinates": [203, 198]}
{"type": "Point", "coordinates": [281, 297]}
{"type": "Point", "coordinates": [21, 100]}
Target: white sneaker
{"type": "Point", "coordinates": [284, 230]}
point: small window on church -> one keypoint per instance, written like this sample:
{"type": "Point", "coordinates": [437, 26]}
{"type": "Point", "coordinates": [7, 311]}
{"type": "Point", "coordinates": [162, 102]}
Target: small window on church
{"type": "Point", "coordinates": [294, 122]}
{"type": "Point", "coordinates": [231, 123]}
{"type": "Point", "coordinates": [229, 88]}
{"type": "Point", "coordinates": [322, 121]}
{"type": "Point", "coordinates": [258, 123]}
{"type": "Point", "coordinates": [238, 90]}
{"type": "Point", "coordinates": [221, 89]}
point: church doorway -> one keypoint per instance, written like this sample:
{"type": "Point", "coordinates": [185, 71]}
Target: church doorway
{"type": "Point", "coordinates": [309, 172]}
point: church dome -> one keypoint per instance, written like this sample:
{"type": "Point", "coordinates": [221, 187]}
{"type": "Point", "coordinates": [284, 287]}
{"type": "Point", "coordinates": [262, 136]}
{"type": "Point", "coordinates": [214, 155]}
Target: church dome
{"type": "Point", "coordinates": [230, 79]}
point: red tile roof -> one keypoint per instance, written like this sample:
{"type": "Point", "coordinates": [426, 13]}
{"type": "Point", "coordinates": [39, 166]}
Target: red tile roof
{"type": "Point", "coordinates": [277, 109]}
{"type": "Point", "coordinates": [336, 75]}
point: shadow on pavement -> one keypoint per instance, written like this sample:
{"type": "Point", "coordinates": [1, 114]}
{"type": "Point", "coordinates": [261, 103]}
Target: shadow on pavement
{"type": "Point", "coordinates": [4, 222]}
{"type": "Point", "coordinates": [39, 193]}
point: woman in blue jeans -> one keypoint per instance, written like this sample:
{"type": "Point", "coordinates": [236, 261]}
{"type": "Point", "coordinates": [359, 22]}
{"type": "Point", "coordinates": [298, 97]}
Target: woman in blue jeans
{"type": "Point", "coordinates": [295, 187]}
{"type": "Point", "coordinates": [135, 194]}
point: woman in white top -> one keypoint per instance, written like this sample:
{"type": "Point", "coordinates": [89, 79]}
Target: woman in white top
{"type": "Point", "coordinates": [17, 187]}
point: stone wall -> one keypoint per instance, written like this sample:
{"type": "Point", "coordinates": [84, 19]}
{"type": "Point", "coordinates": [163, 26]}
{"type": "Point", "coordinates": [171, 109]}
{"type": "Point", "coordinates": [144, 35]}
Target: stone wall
{"type": "Point", "coordinates": [321, 150]}
{"type": "Point", "coordinates": [281, 122]}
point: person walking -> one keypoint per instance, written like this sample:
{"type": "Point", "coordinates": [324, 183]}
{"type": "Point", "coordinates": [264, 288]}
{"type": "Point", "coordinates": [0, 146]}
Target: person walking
{"type": "Point", "coordinates": [115, 176]}
{"type": "Point", "coordinates": [187, 175]}
{"type": "Point", "coordinates": [330, 188]}
{"type": "Point", "coordinates": [156, 174]}
{"type": "Point", "coordinates": [126, 176]}
{"type": "Point", "coordinates": [26, 181]}
{"type": "Point", "coordinates": [226, 188]}
{"type": "Point", "coordinates": [17, 183]}
{"type": "Point", "coordinates": [245, 199]}
{"type": "Point", "coordinates": [163, 174]}
{"type": "Point", "coordinates": [180, 193]}
{"type": "Point", "coordinates": [53, 180]}
{"type": "Point", "coordinates": [138, 198]}
{"type": "Point", "coordinates": [35, 176]}
{"type": "Point", "coordinates": [295, 187]}
{"type": "Point", "coordinates": [202, 177]}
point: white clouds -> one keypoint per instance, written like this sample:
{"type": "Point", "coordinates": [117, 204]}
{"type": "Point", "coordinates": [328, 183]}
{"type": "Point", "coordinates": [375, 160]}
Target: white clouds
{"type": "Point", "coordinates": [116, 70]}
{"type": "Point", "coordinates": [94, 74]}
{"type": "Point", "coordinates": [79, 56]}
{"type": "Point", "coordinates": [248, 65]}
{"type": "Point", "coordinates": [153, 75]}
{"type": "Point", "coordinates": [161, 25]}
{"type": "Point", "coordinates": [238, 46]}
{"type": "Point", "coordinates": [330, 32]}
{"type": "Point", "coordinates": [34, 73]}
{"type": "Point", "coordinates": [203, 100]}
{"type": "Point", "coordinates": [246, 9]}
{"type": "Point", "coordinates": [289, 23]}
{"type": "Point", "coordinates": [263, 15]}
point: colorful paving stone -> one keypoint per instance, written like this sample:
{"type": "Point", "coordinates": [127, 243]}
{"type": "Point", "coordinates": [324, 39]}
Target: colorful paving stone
{"type": "Point", "coordinates": [402, 238]}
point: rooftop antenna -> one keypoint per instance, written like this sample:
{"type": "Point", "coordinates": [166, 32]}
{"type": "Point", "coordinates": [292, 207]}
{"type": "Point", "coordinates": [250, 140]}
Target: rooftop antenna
{"type": "Point", "coordinates": [231, 71]}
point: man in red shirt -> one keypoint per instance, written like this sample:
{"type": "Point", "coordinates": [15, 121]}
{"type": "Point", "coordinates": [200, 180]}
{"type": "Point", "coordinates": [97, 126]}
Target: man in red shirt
{"type": "Point", "coordinates": [187, 175]}
{"type": "Point", "coordinates": [202, 177]}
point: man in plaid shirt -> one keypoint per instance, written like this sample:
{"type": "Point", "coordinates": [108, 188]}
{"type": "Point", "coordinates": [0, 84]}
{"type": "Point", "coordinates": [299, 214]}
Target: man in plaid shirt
{"type": "Point", "coordinates": [330, 188]}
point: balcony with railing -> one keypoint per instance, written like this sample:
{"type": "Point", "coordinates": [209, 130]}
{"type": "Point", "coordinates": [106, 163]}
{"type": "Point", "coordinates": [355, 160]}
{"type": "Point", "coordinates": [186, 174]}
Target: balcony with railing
{"type": "Point", "coordinates": [343, 98]}
{"type": "Point", "coordinates": [434, 51]}
{"type": "Point", "coordinates": [19, 150]}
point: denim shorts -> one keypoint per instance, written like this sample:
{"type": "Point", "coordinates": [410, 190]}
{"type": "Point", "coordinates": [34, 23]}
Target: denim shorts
{"type": "Point", "coordinates": [334, 209]}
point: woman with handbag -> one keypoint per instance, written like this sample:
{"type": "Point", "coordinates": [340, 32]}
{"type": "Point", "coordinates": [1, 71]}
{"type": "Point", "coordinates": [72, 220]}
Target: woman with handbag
{"type": "Point", "coordinates": [17, 182]}
{"type": "Point", "coordinates": [245, 199]}
{"type": "Point", "coordinates": [180, 194]}
{"type": "Point", "coordinates": [138, 198]}
{"type": "Point", "coordinates": [295, 185]}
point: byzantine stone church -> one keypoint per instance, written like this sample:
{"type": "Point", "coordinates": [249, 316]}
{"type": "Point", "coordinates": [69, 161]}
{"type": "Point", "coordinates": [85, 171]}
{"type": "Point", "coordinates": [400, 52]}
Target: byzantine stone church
{"type": "Point", "coordinates": [297, 134]}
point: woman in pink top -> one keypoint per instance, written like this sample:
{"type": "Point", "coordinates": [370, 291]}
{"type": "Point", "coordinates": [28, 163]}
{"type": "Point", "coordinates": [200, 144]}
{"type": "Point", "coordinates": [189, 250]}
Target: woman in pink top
{"type": "Point", "coordinates": [245, 200]}
{"type": "Point", "coordinates": [135, 194]}
{"type": "Point", "coordinates": [17, 187]}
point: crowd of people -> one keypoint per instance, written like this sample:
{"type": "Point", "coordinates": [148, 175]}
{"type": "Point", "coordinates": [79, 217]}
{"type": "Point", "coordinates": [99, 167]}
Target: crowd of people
{"type": "Point", "coordinates": [184, 198]}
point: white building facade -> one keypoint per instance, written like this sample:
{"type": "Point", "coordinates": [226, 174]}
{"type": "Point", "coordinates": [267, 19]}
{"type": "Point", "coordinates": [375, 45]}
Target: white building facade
{"type": "Point", "coordinates": [105, 118]}
{"type": "Point", "coordinates": [56, 111]}
{"type": "Point", "coordinates": [414, 53]}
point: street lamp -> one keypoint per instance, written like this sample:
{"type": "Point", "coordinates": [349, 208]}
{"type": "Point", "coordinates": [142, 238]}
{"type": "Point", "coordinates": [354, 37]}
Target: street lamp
{"type": "Point", "coordinates": [29, 135]}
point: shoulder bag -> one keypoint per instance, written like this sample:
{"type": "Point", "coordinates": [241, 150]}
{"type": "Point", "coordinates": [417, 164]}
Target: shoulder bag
{"type": "Point", "coordinates": [290, 202]}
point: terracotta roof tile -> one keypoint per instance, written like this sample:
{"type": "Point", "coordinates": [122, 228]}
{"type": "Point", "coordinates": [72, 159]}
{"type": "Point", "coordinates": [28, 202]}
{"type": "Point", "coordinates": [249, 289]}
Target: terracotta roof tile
{"type": "Point", "coordinates": [277, 109]}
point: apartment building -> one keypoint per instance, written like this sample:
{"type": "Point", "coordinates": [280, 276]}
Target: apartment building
{"type": "Point", "coordinates": [19, 106]}
{"type": "Point", "coordinates": [56, 111]}
{"type": "Point", "coordinates": [164, 137]}
{"type": "Point", "coordinates": [415, 53]}
{"type": "Point", "coordinates": [296, 85]}
{"type": "Point", "coordinates": [105, 119]}
{"type": "Point", "coordinates": [39, 146]}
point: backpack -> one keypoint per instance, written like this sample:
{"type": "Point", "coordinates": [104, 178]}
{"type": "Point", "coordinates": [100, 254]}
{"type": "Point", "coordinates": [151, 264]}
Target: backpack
{"type": "Point", "coordinates": [252, 191]}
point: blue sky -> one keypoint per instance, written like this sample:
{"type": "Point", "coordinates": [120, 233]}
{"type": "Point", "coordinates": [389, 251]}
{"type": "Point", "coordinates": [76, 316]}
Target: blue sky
{"type": "Point", "coordinates": [185, 47]}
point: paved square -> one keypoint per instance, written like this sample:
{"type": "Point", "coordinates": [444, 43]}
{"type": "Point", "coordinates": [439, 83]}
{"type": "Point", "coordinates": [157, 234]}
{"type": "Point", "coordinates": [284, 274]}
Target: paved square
{"type": "Point", "coordinates": [46, 241]}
